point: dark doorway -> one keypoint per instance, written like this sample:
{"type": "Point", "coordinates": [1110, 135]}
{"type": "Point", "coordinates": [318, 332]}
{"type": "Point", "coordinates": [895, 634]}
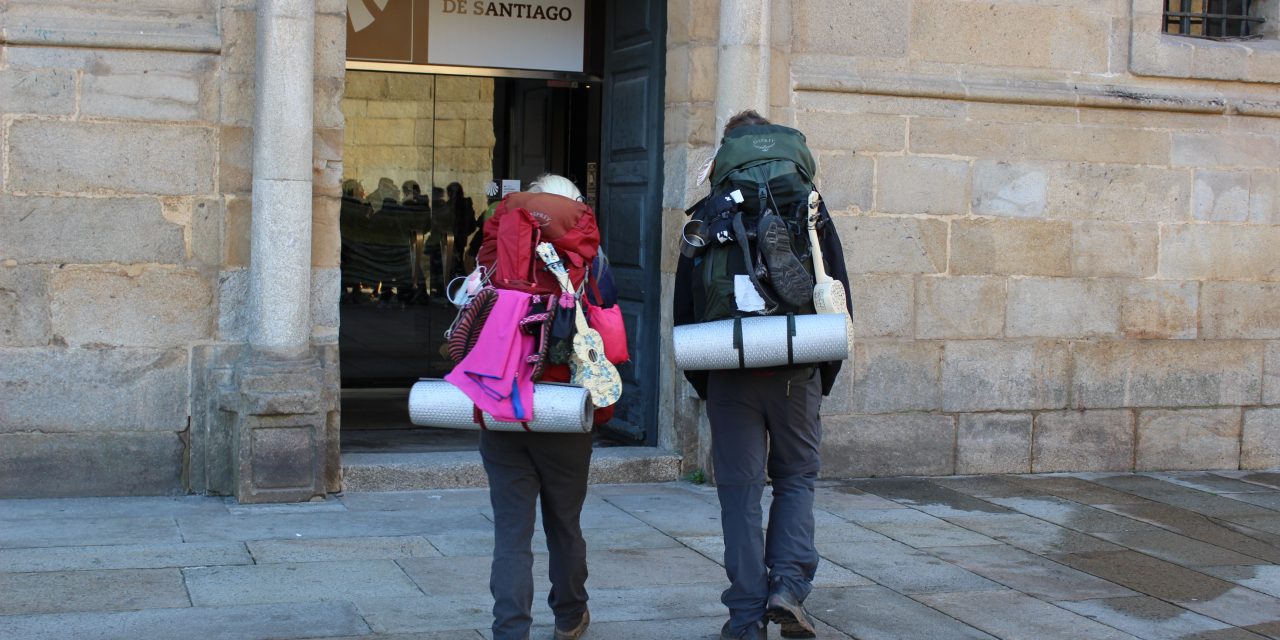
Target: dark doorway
{"type": "Point", "coordinates": [603, 131]}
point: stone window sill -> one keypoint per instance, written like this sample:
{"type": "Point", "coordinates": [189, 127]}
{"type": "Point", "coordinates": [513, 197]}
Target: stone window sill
{"type": "Point", "coordinates": [1152, 53]}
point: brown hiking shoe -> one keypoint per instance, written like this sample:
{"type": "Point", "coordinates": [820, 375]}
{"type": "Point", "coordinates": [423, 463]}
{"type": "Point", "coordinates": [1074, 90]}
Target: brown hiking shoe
{"type": "Point", "coordinates": [576, 632]}
{"type": "Point", "coordinates": [784, 609]}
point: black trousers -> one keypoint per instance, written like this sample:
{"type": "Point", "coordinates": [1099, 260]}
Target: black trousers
{"type": "Point", "coordinates": [765, 423]}
{"type": "Point", "coordinates": [523, 467]}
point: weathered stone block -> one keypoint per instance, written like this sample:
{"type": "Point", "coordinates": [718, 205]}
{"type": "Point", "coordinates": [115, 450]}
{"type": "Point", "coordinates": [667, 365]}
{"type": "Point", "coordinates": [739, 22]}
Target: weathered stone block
{"type": "Point", "coordinates": [55, 155]}
{"type": "Point", "coordinates": [922, 185]}
{"type": "Point", "coordinates": [993, 443]}
{"type": "Point", "coordinates": [1271, 384]}
{"type": "Point", "coordinates": [87, 230]}
{"type": "Point", "coordinates": [1188, 439]}
{"type": "Point", "coordinates": [24, 308]}
{"type": "Point", "coordinates": [989, 375]}
{"type": "Point", "coordinates": [45, 92]}
{"type": "Point", "coordinates": [897, 376]}
{"type": "Point", "coordinates": [847, 181]}
{"type": "Point", "coordinates": [1221, 196]}
{"type": "Point", "coordinates": [151, 307]}
{"type": "Point", "coordinates": [885, 445]}
{"type": "Point", "coordinates": [82, 390]}
{"type": "Point", "coordinates": [326, 290]}
{"type": "Point", "coordinates": [1167, 373]}
{"type": "Point", "coordinates": [45, 465]}
{"type": "Point", "coordinates": [893, 245]}
{"type": "Point", "coordinates": [1011, 247]}
{"type": "Point", "coordinates": [1058, 142]}
{"type": "Point", "coordinates": [1240, 310]}
{"type": "Point", "coordinates": [856, 132]}
{"type": "Point", "coordinates": [236, 98]}
{"type": "Point", "coordinates": [876, 28]}
{"type": "Point", "coordinates": [881, 306]}
{"type": "Point", "coordinates": [1102, 249]}
{"type": "Point", "coordinates": [1260, 440]}
{"type": "Point", "coordinates": [960, 307]}
{"type": "Point", "coordinates": [1063, 308]}
{"type": "Point", "coordinates": [1007, 189]}
{"type": "Point", "coordinates": [237, 236]}
{"type": "Point", "coordinates": [235, 160]}
{"type": "Point", "coordinates": [1020, 35]}
{"type": "Point", "coordinates": [151, 85]}
{"type": "Point", "coordinates": [1224, 150]}
{"type": "Point", "coordinates": [1118, 193]}
{"type": "Point", "coordinates": [1220, 252]}
{"type": "Point", "coordinates": [1159, 309]}
{"type": "Point", "coordinates": [1264, 198]}
{"type": "Point", "coordinates": [1083, 441]}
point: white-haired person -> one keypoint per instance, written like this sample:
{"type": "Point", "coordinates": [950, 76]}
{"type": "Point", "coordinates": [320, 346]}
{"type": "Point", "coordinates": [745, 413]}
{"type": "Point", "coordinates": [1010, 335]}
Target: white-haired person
{"type": "Point", "coordinates": [524, 467]}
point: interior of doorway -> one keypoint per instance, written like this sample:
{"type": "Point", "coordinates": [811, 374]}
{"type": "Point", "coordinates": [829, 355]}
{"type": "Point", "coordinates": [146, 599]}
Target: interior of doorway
{"type": "Point", "coordinates": [460, 140]}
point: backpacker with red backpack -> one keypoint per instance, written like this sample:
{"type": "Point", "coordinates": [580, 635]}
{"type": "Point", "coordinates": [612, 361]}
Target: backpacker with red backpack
{"type": "Point", "coordinates": [520, 222]}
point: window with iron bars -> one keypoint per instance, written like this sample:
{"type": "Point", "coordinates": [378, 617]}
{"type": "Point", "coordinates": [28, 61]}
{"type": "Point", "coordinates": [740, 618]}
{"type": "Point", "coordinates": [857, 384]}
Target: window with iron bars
{"type": "Point", "coordinates": [1213, 19]}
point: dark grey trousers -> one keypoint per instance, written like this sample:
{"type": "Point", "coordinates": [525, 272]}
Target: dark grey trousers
{"type": "Point", "coordinates": [523, 467]}
{"type": "Point", "coordinates": [765, 422]}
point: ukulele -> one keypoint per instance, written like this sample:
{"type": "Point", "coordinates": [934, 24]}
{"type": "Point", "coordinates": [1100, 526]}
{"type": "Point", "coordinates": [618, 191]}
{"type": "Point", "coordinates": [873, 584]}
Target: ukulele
{"type": "Point", "coordinates": [828, 293]}
{"type": "Point", "coordinates": [590, 369]}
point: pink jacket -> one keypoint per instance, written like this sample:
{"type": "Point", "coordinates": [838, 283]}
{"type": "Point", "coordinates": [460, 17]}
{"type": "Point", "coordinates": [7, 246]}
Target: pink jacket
{"type": "Point", "coordinates": [496, 374]}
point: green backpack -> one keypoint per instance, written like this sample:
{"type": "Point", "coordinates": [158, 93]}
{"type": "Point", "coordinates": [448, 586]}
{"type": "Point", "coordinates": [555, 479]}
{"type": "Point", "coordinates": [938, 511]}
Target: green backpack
{"type": "Point", "coordinates": [758, 168]}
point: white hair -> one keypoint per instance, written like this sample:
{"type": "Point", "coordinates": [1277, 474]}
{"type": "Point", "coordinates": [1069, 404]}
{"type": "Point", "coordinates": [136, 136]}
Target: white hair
{"type": "Point", "coordinates": [559, 185]}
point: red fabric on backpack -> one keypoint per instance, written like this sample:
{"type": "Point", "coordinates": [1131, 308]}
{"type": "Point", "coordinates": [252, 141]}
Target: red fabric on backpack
{"type": "Point", "coordinates": [520, 222]}
{"type": "Point", "coordinates": [608, 323]}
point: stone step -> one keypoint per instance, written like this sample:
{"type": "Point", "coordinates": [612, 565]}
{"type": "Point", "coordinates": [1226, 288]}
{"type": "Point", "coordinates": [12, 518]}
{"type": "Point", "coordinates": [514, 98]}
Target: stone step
{"type": "Point", "coordinates": [461, 469]}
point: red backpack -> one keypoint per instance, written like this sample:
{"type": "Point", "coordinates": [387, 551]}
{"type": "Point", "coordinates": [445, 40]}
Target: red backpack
{"type": "Point", "coordinates": [520, 222]}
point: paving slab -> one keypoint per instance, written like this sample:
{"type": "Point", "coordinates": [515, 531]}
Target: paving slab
{"type": "Point", "coordinates": [1146, 617]}
{"type": "Point", "coordinates": [840, 499]}
{"type": "Point", "coordinates": [1178, 549]}
{"type": "Point", "coordinates": [903, 568]}
{"type": "Point", "coordinates": [247, 622]}
{"type": "Point", "coordinates": [87, 531]}
{"type": "Point", "coordinates": [328, 525]}
{"type": "Point", "coordinates": [124, 556]}
{"type": "Point", "coordinates": [1077, 490]}
{"type": "Point", "coordinates": [928, 497]}
{"type": "Point", "coordinates": [1263, 579]}
{"type": "Point", "coordinates": [989, 486]}
{"type": "Point", "coordinates": [829, 574]}
{"type": "Point", "coordinates": [297, 582]}
{"type": "Point", "coordinates": [877, 613]}
{"type": "Point", "coordinates": [460, 614]}
{"type": "Point", "coordinates": [1032, 534]}
{"type": "Point", "coordinates": [1010, 615]}
{"type": "Point", "coordinates": [1199, 592]}
{"type": "Point", "coordinates": [1072, 515]}
{"type": "Point", "coordinates": [110, 590]}
{"type": "Point", "coordinates": [1265, 478]}
{"type": "Point", "coordinates": [684, 628]}
{"type": "Point", "coordinates": [415, 500]}
{"type": "Point", "coordinates": [331, 549]}
{"type": "Point", "coordinates": [917, 528]}
{"type": "Point", "coordinates": [1267, 523]}
{"type": "Point", "coordinates": [676, 513]}
{"type": "Point", "coordinates": [1207, 481]}
{"type": "Point", "coordinates": [1183, 497]}
{"type": "Point", "coordinates": [1193, 525]}
{"type": "Point", "coordinates": [457, 634]}
{"type": "Point", "coordinates": [1029, 573]}
{"type": "Point", "coordinates": [121, 507]}
{"type": "Point", "coordinates": [1268, 499]}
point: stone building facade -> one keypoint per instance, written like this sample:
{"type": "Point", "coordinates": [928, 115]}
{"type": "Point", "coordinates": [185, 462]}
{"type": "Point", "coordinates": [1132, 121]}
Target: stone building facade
{"type": "Point", "coordinates": [1061, 227]}
{"type": "Point", "coordinates": [1060, 224]}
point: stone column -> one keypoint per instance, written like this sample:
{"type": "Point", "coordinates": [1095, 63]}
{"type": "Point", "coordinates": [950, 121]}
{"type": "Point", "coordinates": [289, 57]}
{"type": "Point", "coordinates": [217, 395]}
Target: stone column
{"type": "Point", "coordinates": [278, 393]}
{"type": "Point", "coordinates": [743, 66]}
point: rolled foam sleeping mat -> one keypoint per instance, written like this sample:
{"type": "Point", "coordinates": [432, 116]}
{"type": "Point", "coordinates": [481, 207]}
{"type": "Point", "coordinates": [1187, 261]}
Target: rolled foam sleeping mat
{"type": "Point", "coordinates": [762, 341]}
{"type": "Point", "coordinates": [558, 408]}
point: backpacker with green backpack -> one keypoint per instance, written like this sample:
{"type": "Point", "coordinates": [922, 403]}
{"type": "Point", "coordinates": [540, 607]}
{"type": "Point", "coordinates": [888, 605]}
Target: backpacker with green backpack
{"type": "Point", "coordinates": [753, 227]}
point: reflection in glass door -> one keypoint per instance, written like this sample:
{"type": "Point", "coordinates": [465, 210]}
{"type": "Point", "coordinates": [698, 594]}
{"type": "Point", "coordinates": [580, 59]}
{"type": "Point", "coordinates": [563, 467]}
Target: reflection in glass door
{"type": "Point", "coordinates": [423, 155]}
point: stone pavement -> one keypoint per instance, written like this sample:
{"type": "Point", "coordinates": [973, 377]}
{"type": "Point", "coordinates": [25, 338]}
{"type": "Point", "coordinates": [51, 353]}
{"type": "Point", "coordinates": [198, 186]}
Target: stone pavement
{"type": "Point", "coordinates": [1075, 556]}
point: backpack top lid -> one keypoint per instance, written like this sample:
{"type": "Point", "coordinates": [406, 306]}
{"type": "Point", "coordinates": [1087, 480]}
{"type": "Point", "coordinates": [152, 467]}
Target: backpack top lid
{"type": "Point", "coordinates": [760, 143]}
